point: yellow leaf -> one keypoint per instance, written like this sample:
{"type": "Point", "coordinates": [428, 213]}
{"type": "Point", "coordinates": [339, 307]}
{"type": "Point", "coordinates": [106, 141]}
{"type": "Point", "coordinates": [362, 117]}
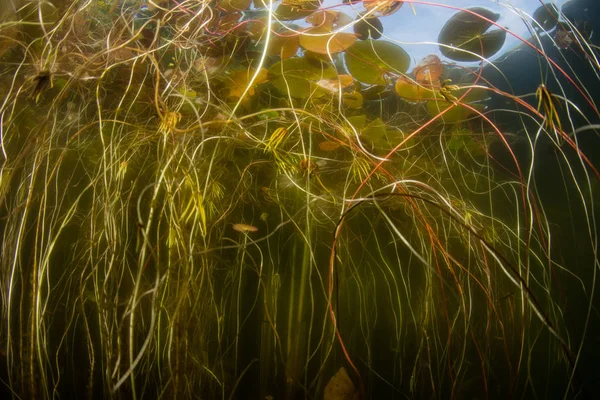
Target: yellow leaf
{"type": "Point", "coordinates": [283, 45]}
{"type": "Point", "coordinates": [413, 92]}
{"type": "Point", "coordinates": [320, 40]}
{"type": "Point", "coordinates": [353, 100]}
{"type": "Point", "coordinates": [329, 145]}
{"type": "Point", "coordinates": [239, 80]}
{"type": "Point", "coordinates": [334, 85]}
{"type": "Point", "coordinates": [244, 228]}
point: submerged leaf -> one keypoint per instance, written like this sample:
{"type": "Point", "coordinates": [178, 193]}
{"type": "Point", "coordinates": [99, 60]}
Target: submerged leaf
{"type": "Point", "coordinates": [353, 100]}
{"type": "Point", "coordinates": [412, 91]}
{"type": "Point", "coordinates": [357, 121]}
{"type": "Point", "coordinates": [244, 228]}
{"type": "Point", "coordinates": [374, 130]}
{"type": "Point", "coordinates": [369, 61]}
{"type": "Point", "coordinates": [329, 145]}
{"type": "Point", "coordinates": [340, 387]}
{"type": "Point", "coordinates": [239, 80]}
{"type": "Point", "coordinates": [458, 113]}
{"type": "Point", "coordinates": [298, 76]}
{"type": "Point", "coordinates": [465, 37]}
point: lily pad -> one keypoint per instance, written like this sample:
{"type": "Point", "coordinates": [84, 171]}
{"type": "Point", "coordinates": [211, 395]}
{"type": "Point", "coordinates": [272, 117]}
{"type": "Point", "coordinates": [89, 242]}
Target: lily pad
{"type": "Point", "coordinates": [334, 85]}
{"type": "Point", "coordinates": [383, 7]}
{"type": "Point", "coordinates": [234, 5]}
{"type": "Point", "coordinates": [429, 69]}
{"type": "Point", "coordinates": [370, 61]}
{"type": "Point", "coordinates": [284, 45]}
{"type": "Point", "coordinates": [466, 37]}
{"type": "Point", "coordinates": [353, 100]}
{"type": "Point", "coordinates": [369, 27]}
{"type": "Point", "coordinates": [299, 75]}
{"type": "Point", "coordinates": [376, 92]}
{"type": "Point", "coordinates": [374, 131]}
{"type": "Point", "coordinates": [357, 121]}
{"type": "Point", "coordinates": [546, 16]}
{"type": "Point", "coordinates": [329, 19]}
{"type": "Point", "coordinates": [320, 40]}
{"type": "Point", "coordinates": [238, 80]}
{"type": "Point", "coordinates": [290, 11]}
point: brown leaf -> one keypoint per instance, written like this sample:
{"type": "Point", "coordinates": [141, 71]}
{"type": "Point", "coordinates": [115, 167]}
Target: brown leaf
{"type": "Point", "coordinates": [340, 387]}
{"type": "Point", "coordinates": [239, 80]}
{"type": "Point", "coordinates": [429, 69]}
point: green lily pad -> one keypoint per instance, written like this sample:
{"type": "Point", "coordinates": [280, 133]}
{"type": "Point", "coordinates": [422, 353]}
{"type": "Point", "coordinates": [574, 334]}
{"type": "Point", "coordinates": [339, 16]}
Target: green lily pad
{"type": "Point", "coordinates": [374, 131]}
{"type": "Point", "coordinates": [469, 37]}
{"type": "Point", "coordinates": [358, 121]}
{"type": "Point", "coordinates": [298, 76]}
{"type": "Point", "coordinates": [369, 61]}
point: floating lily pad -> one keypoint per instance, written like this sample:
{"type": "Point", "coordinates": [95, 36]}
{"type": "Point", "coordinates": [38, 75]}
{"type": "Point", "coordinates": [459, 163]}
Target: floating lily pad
{"type": "Point", "coordinates": [291, 12]}
{"type": "Point", "coordinates": [234, 5]}
{"type": "Point", "coordinates": [546, 16]}
{"type": "Point", "coordinates": [283, 45]}
{"type": "Point", "coordinates": [299, 75]}
{"type": "Point", "coordinates": [469, 36]}
{"type": "Point", "coordinates": [369, 61]}
{"type": "Point", "coordinates": [320, 40]}
{"type": "Point", "coordinates": [328, 19]}
{"type": "Point", "coordinates": [369, 27]}
{"type": "Point", "coordinates": [383, 7]}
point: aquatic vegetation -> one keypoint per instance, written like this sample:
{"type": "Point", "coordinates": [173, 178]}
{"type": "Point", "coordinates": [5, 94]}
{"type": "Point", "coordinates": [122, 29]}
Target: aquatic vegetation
{"type": "Point", "coordinates": [298, 199]}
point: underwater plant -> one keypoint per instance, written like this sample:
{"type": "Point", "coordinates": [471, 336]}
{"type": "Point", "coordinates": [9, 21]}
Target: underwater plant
{"type": "Point", "coordinates": [299, 199]}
